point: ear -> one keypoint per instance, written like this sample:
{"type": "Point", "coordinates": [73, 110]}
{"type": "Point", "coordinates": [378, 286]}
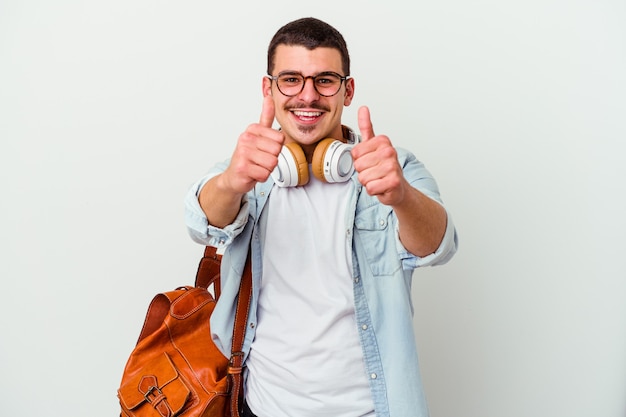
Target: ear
{"type": "Point", "coordinates": [349, 92]}
{"type": "Point", "coordinates": [267, 87]}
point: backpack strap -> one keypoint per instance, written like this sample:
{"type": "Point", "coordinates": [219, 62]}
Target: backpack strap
{"type": "Point", "coordinates": [235, 367]}
{"type": "Point", "coordinates": [209, 273]}
{"type": "Point", "coordinates": [209, 270]}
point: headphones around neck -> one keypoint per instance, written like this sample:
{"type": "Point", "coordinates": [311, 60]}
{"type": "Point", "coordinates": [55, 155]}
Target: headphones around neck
{"type": "Point", "coordinates": [331, 162]}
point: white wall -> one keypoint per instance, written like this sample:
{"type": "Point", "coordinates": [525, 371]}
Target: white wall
{"type": "Point", "coordinates": [110, 109]}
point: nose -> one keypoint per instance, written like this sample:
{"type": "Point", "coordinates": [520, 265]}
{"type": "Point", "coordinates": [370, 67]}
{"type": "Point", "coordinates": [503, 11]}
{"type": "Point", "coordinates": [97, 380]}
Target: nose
{"type": "Point", "coordinates": [309, 93]}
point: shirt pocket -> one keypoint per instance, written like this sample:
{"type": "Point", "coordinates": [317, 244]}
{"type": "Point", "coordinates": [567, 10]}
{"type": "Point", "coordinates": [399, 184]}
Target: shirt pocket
{"type": "Point", "coordinates": [376, 231]}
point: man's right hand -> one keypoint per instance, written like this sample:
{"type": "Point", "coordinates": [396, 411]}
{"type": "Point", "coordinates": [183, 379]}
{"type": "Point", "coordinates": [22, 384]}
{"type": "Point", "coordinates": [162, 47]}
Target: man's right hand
{"type": "Point", "coordinates": [256, 153]}
{"type": "Point", "coordinates": [254, 159]}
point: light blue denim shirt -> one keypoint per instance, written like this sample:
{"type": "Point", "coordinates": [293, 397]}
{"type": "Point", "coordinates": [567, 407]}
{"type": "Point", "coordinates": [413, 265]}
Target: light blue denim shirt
{"type": "Point", "coordinates": [382, 275]}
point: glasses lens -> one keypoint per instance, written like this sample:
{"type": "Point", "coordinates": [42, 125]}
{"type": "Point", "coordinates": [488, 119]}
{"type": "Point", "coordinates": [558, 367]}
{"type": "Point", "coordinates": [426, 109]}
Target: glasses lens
{"type": "Point", "coordinates": [290, 84]}
{"type": "Point", "coordinates": [326, 84]}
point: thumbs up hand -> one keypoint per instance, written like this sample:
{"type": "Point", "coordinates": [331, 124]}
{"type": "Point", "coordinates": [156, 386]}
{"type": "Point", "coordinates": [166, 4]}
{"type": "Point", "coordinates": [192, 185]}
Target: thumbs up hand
{"type": "Point", "coordinates": [376, 161]}
{"type": "Point", "coordinates": [256, 153]}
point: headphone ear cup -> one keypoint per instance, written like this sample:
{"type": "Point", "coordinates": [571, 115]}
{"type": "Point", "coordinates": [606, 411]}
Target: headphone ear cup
{"type": "Point", "coordinates": [292, 168]}
{"type": "Point", "coordinates": [317, 164]}
{"type": "Point", "coordinates": [332, 161]}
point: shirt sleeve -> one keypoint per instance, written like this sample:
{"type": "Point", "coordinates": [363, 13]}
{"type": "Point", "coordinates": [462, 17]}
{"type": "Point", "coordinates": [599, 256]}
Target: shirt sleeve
{"type": "Point", "coordinates": [446, 250]}
{"type": "Point", "coordinates": [420, 178]}
{"type": "Point", "coordinates": [198, 226]}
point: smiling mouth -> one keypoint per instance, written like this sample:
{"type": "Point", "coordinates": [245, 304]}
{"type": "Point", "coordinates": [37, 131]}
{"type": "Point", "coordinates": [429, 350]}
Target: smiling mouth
{"type": "Point", "coordinates": [306, 115]}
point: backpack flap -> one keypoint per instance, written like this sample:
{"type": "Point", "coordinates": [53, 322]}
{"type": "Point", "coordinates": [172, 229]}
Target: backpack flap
{"type": "Point", "coordinates": [158, 385]}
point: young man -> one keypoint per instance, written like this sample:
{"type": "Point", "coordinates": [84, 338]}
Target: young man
{"type": "Point", "coordinates": [330, 329]}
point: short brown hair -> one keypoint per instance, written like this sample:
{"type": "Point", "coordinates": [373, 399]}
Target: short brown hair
{"type": "Point", "coordinates": [311, 33]}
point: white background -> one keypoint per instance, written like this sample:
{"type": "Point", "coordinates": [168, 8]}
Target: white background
{"type": "Point", "coordinates": [110, 109]}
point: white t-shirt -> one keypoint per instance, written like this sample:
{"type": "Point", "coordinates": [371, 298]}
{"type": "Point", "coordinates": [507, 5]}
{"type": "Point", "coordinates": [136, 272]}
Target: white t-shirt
{"type": "Point", "coordinates": [306, 359]}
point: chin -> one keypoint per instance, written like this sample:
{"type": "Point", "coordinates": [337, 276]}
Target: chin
{"type": "Point", "coordinates": [306, 130]}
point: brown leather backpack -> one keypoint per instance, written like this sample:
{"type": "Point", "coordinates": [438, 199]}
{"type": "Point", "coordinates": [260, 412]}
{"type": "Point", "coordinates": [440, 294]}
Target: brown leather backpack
{"type": "Point", "coordinates": [175, 369]}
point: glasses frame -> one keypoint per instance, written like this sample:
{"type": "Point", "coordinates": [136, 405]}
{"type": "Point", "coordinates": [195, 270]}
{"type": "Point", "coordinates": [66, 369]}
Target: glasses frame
{"type": "Point", "coordinates": [342, 79]}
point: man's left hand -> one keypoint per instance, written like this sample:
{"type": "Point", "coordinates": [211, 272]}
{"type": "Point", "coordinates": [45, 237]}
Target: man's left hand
{"type": "Point", "coordinates": [376, 161]}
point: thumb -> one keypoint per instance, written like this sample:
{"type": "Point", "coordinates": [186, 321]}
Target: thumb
{"type": "Point", "coordinates": [365, 123]}
{"type": "Point", "coordinates": [267, 114]}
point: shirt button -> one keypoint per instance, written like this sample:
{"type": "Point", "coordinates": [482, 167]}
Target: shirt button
{"type": "Point", "coordinates": [252, 325]}
{"type": "Point", "coordinates": [262, 193]}
{"type": "Point", "coordinates": [373, 376]}
{"type": "Point", "coordinates": [364, 327]}
{"type": "Point", "coordinates": [381, 222]}
{"type": "Point", "coordinates": [356, 280]}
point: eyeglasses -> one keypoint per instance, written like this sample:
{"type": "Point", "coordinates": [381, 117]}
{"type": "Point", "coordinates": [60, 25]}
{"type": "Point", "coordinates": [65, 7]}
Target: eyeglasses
{"type": "Point", "coordinates": [291, 83]}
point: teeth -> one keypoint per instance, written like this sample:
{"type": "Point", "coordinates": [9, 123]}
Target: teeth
{"type": "Point", "coordinates": [307, 113]}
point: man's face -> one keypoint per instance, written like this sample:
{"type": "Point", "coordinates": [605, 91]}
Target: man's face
{"type": "Point", "coordinates": [309, 117]}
